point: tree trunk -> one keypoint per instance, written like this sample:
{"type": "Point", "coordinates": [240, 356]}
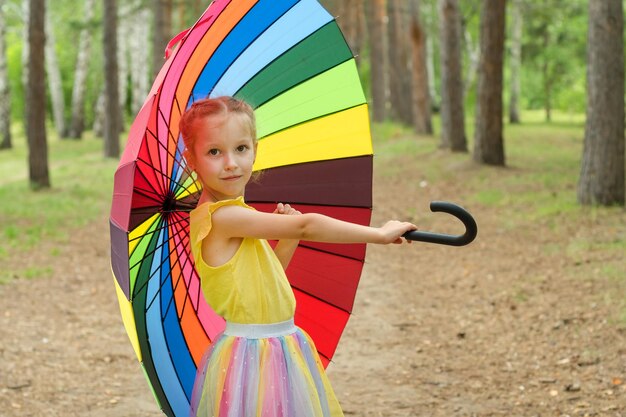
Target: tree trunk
{"type": "Point", "coordinates": [25, 53]}
{"type": "Point", "coordinates": [112, 124]}
{"type": "Point", "coordinates": [77, 124]}
{"type": "Point", "coordinates": [399, 72]}
{"type": "Point", "coordinates": [430, 59]}
{"type": "Point", "coordinates": [602, 169]}
{"type": "Point", "coordinates": [488, 141]}
{"type": "Point", "coordinates": [378, 74]}
{"type": "Point", "coordinates": [351, 19]}
{"type": "Point", "coordinates": [516, 60]}
{"type": "Point", "coordinates": [5, 92]}
{"type": "Point", "coordinates": [139, 77]}
{"type": "Point", "coordinates": [35, 105]}
{"type": "Point", "coordinates": [473, 56]}
{"type": "Point", "coordinates": [162, 34]}
{"type": "Point", "coordinates": [361, 31]}
{"type": "Point", "coordinates": [98, 120]}
{"type": "Point", "coordinates": [419, 88]}
{"type": "Point", "coordinates": [55, 83]}
{"type": "Point", "coordinates": [452, 106]}
{"type": "Point", "coordinates": [125, 20]}
{"type": "Point", "coordinates": [343, 13]}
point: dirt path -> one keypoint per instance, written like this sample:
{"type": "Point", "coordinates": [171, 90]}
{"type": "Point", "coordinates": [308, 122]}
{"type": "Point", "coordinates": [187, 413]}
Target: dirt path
{"type": "Point", "coordinates": [500, 328]}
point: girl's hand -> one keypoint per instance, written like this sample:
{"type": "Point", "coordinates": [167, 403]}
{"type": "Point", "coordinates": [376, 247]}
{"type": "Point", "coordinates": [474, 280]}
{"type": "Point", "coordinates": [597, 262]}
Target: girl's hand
{"type": "Point", "coordinates": [393, 230]}
{"type": "Point", "coordinates": [285, 209]}
{"type": "Point", "coordinates": [285, 248]}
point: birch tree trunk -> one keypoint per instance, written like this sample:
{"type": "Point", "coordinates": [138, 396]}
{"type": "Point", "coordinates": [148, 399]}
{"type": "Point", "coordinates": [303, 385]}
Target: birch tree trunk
{"type": "Point", "coordinates": [430, 60]}
{"type": "Point", "coordinates": [473, 54]}
{"type": "Point", "coordinates": [25, 50]}
{"type": "Point", "coordinates": [112, 124]}
{"type": "Point", "coordinates": [35, 106]}
{"type": "Point", "coordinates": [516, 60]}
{"type": "Point", "coordinates": [488, 141]}
{"type": "Point", "coordinates": [77, 123]}
{"type": "Point", "coordinates": [419, 80]}
{"type": "Point", "coordinates": [602, 170]}
{"type": "Point", "coordinates": [124, 22]}
{"type": "Point", "coordinates": [378, 73]}
{"type": "Point", "coordinates": [5, 93]}
{"type": "Point", "coordinates": [452, 106]}
{"type": "Point", "coordinates": [55, 83]}
{"type": "Point", "coordinates": [98, 120]}
{"type": "Point", "coordinates": [139, 75]}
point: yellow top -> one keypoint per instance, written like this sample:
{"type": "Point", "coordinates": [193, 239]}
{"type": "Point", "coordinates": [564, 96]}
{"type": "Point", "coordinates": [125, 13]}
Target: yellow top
{"type": "Point", "coordinates": [251, 288]}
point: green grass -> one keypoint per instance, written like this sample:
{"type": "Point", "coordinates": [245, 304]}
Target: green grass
{"type": "Point", "coordinates": [82, 183]}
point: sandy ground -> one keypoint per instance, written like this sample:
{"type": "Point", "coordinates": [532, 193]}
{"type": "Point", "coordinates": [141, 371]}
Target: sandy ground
{"type": "Point", "coordinates": [499, 328]}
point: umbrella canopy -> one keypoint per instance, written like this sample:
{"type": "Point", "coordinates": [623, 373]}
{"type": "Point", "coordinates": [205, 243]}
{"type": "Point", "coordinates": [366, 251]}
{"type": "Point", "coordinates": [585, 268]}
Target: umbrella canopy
{"type": "Point", "coordinates": [290, 61]}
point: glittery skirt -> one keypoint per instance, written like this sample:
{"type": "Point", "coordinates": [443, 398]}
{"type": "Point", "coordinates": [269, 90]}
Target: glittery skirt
{"type": "Point", "coordinates": [267, 370]}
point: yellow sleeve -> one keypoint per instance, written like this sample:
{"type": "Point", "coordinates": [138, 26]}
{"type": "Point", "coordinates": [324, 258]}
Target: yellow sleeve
{"type": "Point", "coordinates": [200, 218]}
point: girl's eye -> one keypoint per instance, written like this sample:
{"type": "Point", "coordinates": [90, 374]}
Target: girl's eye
{"type": "Point", "coordinates": [241, 148]}
{"type": "Point", "coordinates": [214, 152]}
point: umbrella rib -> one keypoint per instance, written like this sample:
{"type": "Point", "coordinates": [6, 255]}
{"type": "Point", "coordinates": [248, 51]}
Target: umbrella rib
{"type": "Point", "coordinates": [174, 287]}
{"type": "Point", "coordinates": [171, 135]}
{"type": "Point", "coordinates": [165, 312]}
{"type": "Point", "coordinates": [177, 282]}
{"type": "Point", "coordinates": [175, 160]}
{"type": "Point", "coordinates": [181, 185]}
{"type": "Point", "coordinates": [158, 192]}
{"type": "Point", "coordinates": [150, 195]}
{"type": "Point", "coordinates": [185, 302]}
{"type": "Point", "coordinates": [179, 234]}
{"type": "Point", "coordinates": [159, 228]}
{"type": "Point", "coordinates": [152, 275]}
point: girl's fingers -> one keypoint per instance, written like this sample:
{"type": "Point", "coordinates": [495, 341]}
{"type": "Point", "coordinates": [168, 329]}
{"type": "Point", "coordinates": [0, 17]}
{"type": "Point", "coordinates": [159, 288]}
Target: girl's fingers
{"type": "Point", "coordinates": [285, 209]}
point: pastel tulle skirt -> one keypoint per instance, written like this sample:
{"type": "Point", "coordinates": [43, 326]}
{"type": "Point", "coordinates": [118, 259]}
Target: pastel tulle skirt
{"type": "Point", "coordinates": [263, 371]}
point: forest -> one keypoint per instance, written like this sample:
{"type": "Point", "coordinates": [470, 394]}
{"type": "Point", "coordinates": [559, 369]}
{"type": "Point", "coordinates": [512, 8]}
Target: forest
{"type": "Point", "coordinates": [513, 109]}
{"type": "Point", "coordinates": [474, 61]}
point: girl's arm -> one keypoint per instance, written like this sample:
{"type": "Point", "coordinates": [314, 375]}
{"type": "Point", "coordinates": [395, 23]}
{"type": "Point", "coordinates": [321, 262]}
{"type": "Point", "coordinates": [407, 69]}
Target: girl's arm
{"type": "Point", "coordinates": [235, 221]}
{"type": "Point", "coordinates": [285, 248]}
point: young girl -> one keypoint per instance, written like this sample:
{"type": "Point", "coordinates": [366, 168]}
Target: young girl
{"type": "Point", "coordinates": [262, 365]}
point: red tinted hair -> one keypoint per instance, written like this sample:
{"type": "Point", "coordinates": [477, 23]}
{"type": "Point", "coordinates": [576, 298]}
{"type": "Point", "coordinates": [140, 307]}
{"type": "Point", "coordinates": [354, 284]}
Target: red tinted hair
{"type": "Point", "coordinates": [209, 107]}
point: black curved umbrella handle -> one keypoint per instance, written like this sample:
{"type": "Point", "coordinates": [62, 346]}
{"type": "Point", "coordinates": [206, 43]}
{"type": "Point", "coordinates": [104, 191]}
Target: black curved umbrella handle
{"type": "Point", "coordinates": [459, 240]}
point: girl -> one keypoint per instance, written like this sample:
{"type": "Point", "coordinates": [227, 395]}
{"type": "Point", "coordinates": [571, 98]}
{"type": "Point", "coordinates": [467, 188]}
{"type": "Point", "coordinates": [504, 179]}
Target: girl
{"type": "Point", "coordinates": [262, 365]}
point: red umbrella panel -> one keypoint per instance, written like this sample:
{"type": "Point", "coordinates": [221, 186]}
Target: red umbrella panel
{"type": "Point", "coordinates": [291, 62]}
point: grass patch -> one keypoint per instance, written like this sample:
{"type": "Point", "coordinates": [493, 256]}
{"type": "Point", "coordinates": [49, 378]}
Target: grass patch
{"type": "Point", "coordinates": [82, 184]}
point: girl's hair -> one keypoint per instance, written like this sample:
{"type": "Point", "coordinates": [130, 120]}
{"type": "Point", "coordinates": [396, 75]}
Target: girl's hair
{"type": "Point", "coordinates": [208, 107]}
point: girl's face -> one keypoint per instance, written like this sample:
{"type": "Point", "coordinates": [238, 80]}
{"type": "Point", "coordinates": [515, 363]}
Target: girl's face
{"type": "Point", "coordinates": [223, 154]}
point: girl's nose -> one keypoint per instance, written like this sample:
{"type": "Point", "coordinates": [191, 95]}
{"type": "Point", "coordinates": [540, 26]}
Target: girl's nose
{"type": "Point", "coordinates": [229, 162]}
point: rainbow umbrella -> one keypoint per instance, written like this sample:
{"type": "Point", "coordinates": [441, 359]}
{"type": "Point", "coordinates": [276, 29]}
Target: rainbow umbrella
{"type": "Point", "coordinates": [290, 61]}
